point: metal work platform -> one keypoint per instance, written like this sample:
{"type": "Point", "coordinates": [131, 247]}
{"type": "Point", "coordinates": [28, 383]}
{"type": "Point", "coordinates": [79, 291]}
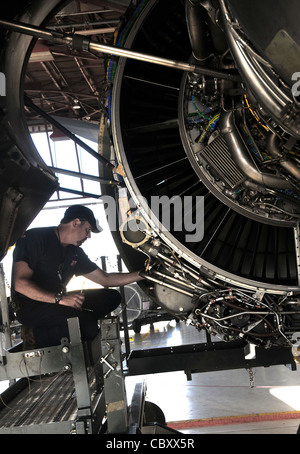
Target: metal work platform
{"type": "Point", "coordinates": [79, 388]}
{"type": "Point", "coordinates": [74, 388]}
{"type": "Point", "coordinates": [59, 388]}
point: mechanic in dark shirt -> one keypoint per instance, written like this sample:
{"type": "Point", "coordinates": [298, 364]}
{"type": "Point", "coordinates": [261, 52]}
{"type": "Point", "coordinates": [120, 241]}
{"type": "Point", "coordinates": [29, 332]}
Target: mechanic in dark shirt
{"type": "Point", "coordinates": [44, 261]}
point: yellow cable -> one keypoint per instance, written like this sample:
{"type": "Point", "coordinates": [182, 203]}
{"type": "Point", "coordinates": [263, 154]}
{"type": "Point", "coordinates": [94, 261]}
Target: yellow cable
{"type": "Point", "coordinates": [254, 114]}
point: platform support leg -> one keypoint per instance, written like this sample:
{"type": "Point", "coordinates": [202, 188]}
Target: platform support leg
{"type": "Point", "coordinates": [80, 378]}
{"type": "Point", "coordinates": [114, 381]}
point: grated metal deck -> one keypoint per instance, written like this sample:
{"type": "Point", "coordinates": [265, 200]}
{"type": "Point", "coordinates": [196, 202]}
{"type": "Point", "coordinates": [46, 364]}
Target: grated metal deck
{"type": "Point", "coordinates": [47, 399]}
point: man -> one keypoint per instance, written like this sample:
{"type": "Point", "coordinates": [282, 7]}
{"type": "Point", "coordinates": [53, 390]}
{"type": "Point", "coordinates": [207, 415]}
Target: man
{"type": "Point", "coordinates": [44, 261]}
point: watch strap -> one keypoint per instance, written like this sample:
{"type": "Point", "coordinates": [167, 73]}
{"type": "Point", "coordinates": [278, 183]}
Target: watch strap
{"type": "Point", "coordinates": [58, 297]}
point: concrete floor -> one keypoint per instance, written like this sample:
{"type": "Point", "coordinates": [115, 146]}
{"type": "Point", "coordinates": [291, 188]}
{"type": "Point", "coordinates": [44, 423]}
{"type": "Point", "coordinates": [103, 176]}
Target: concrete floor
{"type": "Point", "coordinates": [221, 402]}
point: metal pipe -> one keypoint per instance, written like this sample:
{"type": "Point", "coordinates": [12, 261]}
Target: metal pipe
{"type": "Point", "coordinates": [196, 18]}
{"type": "Point", "coordinates": [84, 13]}
{"type": "Point", "coordinates": [173, 279]}
{"type": "Point", "coordinates": [271, 97]}
{"type": "Point", "coordinates": [263, 87]}
{"type": "Point", "coordinates": [84, 44]}
{"type": "Point", "coordinates": [84, 24]}
{"type": "Point", "coordinates": [84, 176]}
{"type": "Point", "coordinates": [37, 32]}
{"type": "Point", "coordinates": [96, 31]}
{"type": "Point", "coordinates": [80, 193]}
{"type": "Point", "coordinates": [240, 155]}
{"type": "Point", "coordinates": [287, 164]}
{"type": "Point", "coordinates": [161, 61]}
{"type": "Point", "coordinates": [164, 284]}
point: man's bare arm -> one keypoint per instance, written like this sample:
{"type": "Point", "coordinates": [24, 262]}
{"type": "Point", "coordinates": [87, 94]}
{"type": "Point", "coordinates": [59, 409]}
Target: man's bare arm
{"type": "Point", "coordinates": [26, 286]}
{"type": "Point", "coordinates": [113, 279]}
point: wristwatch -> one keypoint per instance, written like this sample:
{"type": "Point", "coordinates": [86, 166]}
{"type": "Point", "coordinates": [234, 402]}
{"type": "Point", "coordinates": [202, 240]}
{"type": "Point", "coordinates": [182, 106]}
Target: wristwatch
{"type": "Point", "coordinates": [58, 297]}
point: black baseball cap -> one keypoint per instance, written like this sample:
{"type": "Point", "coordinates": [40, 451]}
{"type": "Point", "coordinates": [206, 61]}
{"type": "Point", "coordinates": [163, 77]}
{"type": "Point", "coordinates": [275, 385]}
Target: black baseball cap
{"type": "Point", "coordinates": [83, 213]}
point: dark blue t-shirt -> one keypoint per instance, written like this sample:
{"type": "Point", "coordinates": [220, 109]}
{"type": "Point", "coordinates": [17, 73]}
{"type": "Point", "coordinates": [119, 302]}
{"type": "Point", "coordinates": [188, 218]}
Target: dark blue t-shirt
{"type": "Point", "coordinates": [52, 264]}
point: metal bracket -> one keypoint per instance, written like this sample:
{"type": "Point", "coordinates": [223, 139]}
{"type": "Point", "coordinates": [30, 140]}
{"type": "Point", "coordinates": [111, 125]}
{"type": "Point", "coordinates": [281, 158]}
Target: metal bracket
{"type": "Point", "coordinates": [103, 360]}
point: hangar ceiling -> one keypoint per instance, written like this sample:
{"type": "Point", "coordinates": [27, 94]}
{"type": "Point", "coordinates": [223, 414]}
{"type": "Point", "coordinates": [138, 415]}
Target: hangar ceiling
{"type": "Point", "coordinates": [66, 82]}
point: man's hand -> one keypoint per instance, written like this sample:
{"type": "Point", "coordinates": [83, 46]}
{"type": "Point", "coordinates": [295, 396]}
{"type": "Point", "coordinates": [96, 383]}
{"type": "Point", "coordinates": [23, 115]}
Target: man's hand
{"type": "Point", "coordinates": [74, 300]}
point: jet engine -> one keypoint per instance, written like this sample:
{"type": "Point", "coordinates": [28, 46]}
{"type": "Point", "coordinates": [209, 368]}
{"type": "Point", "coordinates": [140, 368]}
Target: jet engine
{"type": "Point", "coordinates": [210, 162]}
